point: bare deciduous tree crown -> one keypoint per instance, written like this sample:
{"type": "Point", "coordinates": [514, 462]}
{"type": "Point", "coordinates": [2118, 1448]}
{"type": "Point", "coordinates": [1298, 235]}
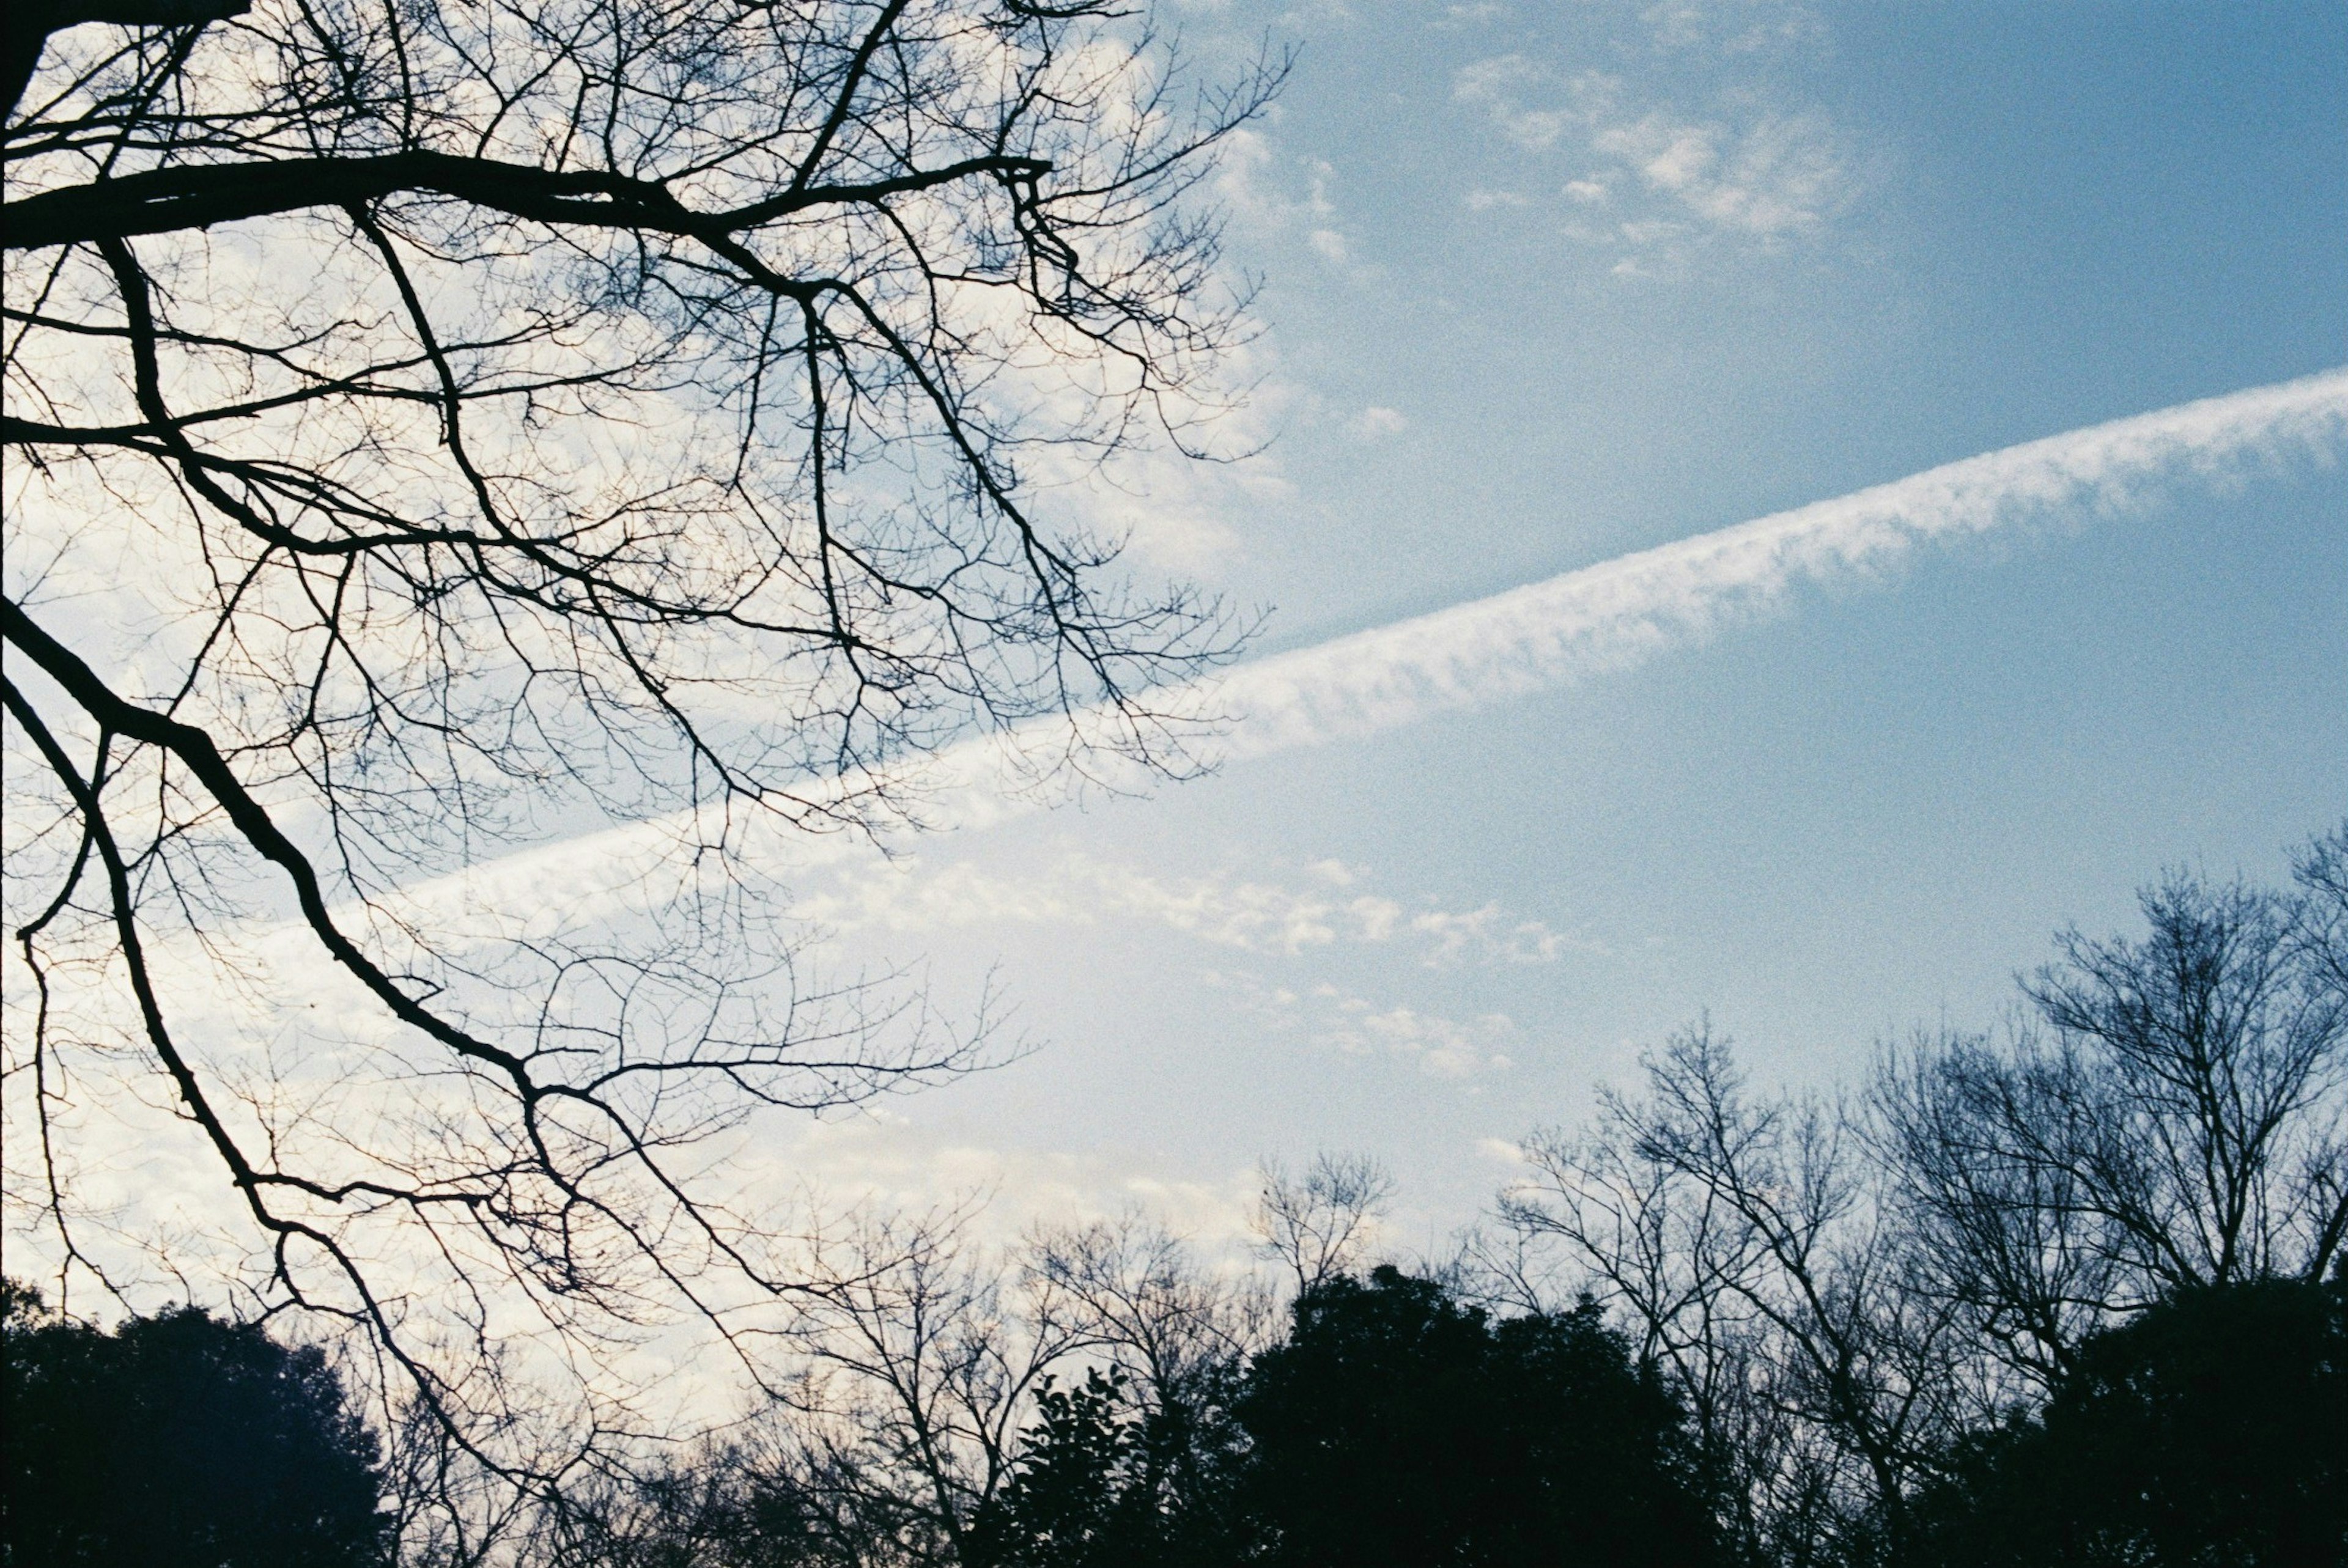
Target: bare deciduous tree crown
{"type": "Point", "coordinates": [1841, 1290]}
{"type": "Point", "coordinates": [434, 427]}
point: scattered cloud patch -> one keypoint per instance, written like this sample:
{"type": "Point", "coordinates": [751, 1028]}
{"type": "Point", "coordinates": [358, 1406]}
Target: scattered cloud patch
{"type": "Point", "coordinates": [1335, 1019]}
{"type": "Point", "coordinates": [1374, 422]}
{"type": "Point", "coordinates": [1750, 167]}
{"type": "Point", "coordinates": [878, 1158]}
{"type": "Point", "coordinates": [1733, 27]}
{"type": "Point", "coordinates": [1492, 937]}
{"type": "Point", "coordinates": [1439, 1047]}
{"type": "Point", "coordinates": [1500, 85]}
{"type": "Point", "coordinates": [1330, 906]}
{"type": "Point", "coordinates": [1278, 199]}
{"type": "Point", "coordinates": [1773, 177]}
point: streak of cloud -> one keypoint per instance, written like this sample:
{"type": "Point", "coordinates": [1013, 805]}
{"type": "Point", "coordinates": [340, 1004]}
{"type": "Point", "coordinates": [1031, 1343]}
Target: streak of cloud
{"type": "Point", "coordinates": [1617, 611]}
{"type": "Point", "coordinates": [1554, 632]}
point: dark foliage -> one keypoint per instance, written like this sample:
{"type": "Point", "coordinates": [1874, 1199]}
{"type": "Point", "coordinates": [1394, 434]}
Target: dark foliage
{"type": "Point", "coordinates": [180, 1441]}
{"type": "Point", "coordinates": [1399, 1426]}
{"type": "Point", "coordinates": [2211, 1431]}
{"type": "Point", "coordinates": [1081, 1495]}
{"type": "Point", "coordinates": [1102, 1483]}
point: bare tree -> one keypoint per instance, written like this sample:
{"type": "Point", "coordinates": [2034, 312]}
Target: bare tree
{"type": "Point", "coordinates": [1145, 1299]}
{"type": "Point", "coordinates": [434, 427]}
{"type": "Point", "coordinates": [926, 1349]}
{"type": "Point", "coordinates": [1743, 1242]}
{"type": "Point", "coordinates": [2176, 1114]}
{"type": "Point", "coordinates": [1841, 1290]}
{"type": "Point", "coordinates": [1319, 1224]}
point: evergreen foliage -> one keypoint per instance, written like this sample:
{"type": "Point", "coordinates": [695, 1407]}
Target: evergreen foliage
{"type": "Point", "coordinates": [180, 1441]}
{"type": "Point", "coordinates": [1400, 1427]}
{"type": "Point", "coordinates": [2212, 1430]}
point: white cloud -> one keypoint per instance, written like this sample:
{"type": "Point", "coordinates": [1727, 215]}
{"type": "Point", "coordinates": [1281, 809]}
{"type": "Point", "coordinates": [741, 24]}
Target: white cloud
{"type": "Point", "coordinates": [1257, 916]}
{"type": "Point", "coordinates": [1545, 634]}
{"type": "Point", "coordinates": [1273, 197]}
{"type": "Point", "coordinates": [1748, 169]}
{"type": "Point", "coordinates": [1488, 934]}
{"type": "Point", "coordinates": [1374, 422]}
{"type": "Point", "coordinates": [1259, 187]}
{"type": "Point", "coordinates": [1621, 611]}
{"type": "Point", "coordinates": [877, 1157]}
{"type": "Point", "coordinates": [1731, 28]}
{"type": "Point", "coordinates": [1437, 1046]}
{"type": "Point", "coordinates": [1498, 87]}
{"type": "Point", "coordinates": [1442, 1048]}
{"type": "Point", "coordinates": [1771, 178]}
{"type": "Point", "coordinates": [1338, 1020]}
{"type": "Point", "coordinates": [1330, 908]}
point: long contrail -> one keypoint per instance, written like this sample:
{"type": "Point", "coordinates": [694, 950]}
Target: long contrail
{"type": "Point", "coordinates": [1609, 614]}
{"type": "Point", "coordinates": [1601, 617]}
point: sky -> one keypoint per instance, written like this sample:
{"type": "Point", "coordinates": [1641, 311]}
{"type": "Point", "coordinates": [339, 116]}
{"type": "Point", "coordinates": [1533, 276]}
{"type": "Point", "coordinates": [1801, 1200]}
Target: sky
{"type": "Point", "coordinates": [1547, 286]}
{"type": "Point", "coordinates": [1759, 514]}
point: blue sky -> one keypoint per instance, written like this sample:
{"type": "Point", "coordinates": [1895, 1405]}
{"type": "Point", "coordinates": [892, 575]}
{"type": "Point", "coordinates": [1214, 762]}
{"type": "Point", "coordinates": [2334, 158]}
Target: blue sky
{"type": "Point", "coordinates": [1547, 284]}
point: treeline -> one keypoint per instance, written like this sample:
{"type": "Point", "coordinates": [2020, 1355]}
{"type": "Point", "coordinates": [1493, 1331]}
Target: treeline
{"type": "Point", "coordinates": [2069, 1292]}
{"type": "Point", "coordinates": [2066, 1292]}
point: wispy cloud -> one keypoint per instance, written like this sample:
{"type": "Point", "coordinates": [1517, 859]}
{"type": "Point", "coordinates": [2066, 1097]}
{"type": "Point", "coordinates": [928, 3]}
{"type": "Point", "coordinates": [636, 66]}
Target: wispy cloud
{"type": "Point", "coordinates": [1338, 1020]}
{"type": "Point", "coordinates": [1776, 176]}
{"type": "Point", "coordinates": [1439, 1047]}
{"type": "Point", "coordinates": [1326, 904]}
{"type": "Point", "coordinates": [878, 1158]}
{"type": "Point", "coordinates": [1647, 178]}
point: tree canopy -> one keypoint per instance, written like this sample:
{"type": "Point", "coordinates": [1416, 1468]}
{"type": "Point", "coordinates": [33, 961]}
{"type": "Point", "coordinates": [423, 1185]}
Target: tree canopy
{"type": "Point", "coordinates": [181, 1441]}
{"type": "Point", "coordinates": [1398, 1426]}
{"type": "Point", "coordinates": [2212, 1428]}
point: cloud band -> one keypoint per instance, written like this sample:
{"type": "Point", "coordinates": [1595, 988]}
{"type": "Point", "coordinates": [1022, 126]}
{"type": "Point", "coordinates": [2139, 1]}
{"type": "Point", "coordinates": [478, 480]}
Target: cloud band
{"type": "Point", "coordinates": [1553, 632]}
{"type": "Point", "coordinates": [1607, 615]}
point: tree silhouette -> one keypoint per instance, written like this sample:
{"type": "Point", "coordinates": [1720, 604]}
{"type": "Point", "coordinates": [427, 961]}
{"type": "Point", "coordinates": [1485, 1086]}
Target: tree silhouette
{"type": "Point", "coordinates": [2171, 1117]}
{"type": "Point", "coordinates": [180, 1441]}
{"type": "Point", "coordinates": [1839, 1288]}
{"type": "Point", "coordinates": [1398, 1426]}
{"type": "Point", "coordinates": [1080, 1496]}
{"type": "Point", "coordinates": [2212, 1428]}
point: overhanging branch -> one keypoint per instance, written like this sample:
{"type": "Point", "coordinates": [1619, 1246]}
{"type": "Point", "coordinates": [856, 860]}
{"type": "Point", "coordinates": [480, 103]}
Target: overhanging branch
{"type": "Point", "coordinates": [167, 200]}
